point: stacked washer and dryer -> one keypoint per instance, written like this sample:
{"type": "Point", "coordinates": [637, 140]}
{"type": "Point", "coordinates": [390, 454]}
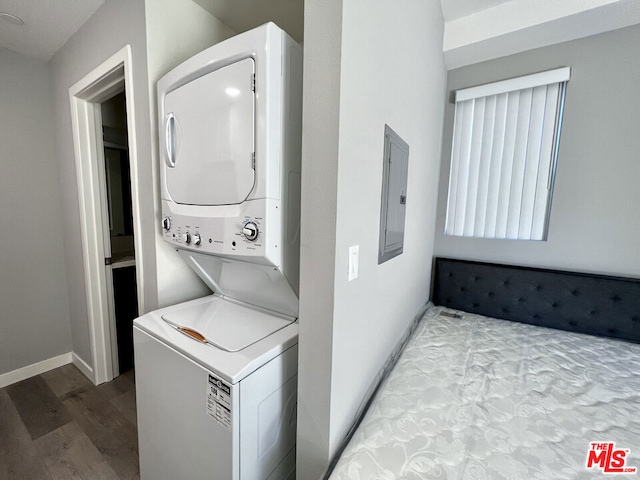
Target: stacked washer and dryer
{"type": "Point", "coordinates": [216, 377]}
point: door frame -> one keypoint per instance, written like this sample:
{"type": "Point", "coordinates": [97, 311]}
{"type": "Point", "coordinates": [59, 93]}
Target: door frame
{"type": "Point", "coordinates": [109, 78]}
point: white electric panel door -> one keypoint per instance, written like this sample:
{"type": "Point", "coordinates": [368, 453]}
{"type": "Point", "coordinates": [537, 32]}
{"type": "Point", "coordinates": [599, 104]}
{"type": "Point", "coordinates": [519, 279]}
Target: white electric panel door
{"type": "Point", "coordinates": [209, 131]}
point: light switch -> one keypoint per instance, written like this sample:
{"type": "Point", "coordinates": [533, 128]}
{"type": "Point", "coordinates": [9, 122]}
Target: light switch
{"type": "Point", "coordinates": [354, 252]}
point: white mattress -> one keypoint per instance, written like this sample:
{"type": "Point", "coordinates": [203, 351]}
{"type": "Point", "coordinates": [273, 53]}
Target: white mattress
{"type": "Point", "coordinates": [479, 398]}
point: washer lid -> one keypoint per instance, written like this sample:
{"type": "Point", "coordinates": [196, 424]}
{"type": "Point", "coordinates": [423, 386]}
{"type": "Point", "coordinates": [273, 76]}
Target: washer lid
{"type": "Point", "coordinates": [223, 324]}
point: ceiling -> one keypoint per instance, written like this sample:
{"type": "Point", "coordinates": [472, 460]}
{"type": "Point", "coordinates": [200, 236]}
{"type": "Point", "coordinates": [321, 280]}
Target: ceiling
{"type": "Point", "coordinates": [242, 15]}
{"type": "Point", "coordinates": [48, 24]}
{"type": "Point", "coordinates": [454, 9]}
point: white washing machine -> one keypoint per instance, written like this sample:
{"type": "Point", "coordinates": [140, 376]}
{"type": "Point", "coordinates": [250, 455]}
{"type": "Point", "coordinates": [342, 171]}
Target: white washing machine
{"type": "Point", "coordinates": [216, 377]}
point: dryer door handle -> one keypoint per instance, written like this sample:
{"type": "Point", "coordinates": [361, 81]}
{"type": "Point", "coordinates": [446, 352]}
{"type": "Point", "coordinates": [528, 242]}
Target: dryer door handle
{"type": "Point", "coordinates": [171, 140]}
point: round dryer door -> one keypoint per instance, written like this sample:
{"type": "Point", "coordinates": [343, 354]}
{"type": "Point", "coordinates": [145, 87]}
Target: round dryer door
{"type": "Point", "coordinates": [209, 129]}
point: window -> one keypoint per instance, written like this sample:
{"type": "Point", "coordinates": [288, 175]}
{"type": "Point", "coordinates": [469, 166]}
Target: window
{"type": "Point", "coordinates": [505, 144]}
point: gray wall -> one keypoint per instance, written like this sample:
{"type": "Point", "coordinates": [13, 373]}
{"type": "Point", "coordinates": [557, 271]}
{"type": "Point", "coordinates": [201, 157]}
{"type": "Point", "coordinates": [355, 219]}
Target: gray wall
{"type": "Point", "coordinates": [115, 24]}
{"type": "Point", "coordinates": [366, 64]}
{"type": "Point", "coordinates": [176, 30]}
{"type": "Point", "coordinates": [34, 320]}
{"type": "Point", "coordinates": [594, 223]}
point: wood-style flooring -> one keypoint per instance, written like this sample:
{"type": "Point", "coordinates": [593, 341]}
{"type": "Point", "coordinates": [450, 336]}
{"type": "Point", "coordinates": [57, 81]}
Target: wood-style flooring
{"type": "Point", "coordinates": [58, 425]}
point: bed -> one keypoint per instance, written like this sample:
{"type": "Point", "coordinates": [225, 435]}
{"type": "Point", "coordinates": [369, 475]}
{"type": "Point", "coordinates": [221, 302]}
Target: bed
{"type": "Point", "coordinates": [513, 374]}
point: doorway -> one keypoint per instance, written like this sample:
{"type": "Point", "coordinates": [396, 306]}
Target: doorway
{"type": "Point", "coordinates": [121, 260]}
{"type": "Point", "coordinates": [107, 174]}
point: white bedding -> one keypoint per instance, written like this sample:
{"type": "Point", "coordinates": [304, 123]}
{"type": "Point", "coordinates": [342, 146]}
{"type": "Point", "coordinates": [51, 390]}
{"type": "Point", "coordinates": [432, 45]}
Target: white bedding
{"type": "Point", "coordinates": [479, 398]}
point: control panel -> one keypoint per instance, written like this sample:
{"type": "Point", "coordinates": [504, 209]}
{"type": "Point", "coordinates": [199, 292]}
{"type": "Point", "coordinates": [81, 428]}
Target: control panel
{"type": "Point", "coordinates": [233, 231]}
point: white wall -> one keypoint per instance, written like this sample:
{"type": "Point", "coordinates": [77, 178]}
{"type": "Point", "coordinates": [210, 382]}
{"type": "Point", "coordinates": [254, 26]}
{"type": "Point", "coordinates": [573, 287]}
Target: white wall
{"type": "Point", "coordinates": [594, 225]}
{"type": "Point", "coordinates": [176, 30]}
{"type": "Point", "coordinates": [34, 323]}
{"type": "Point", "coordinates": [391, 71]}
{"type": "Point", "coordinates": [320, 134]}
{"type": "Point", "coordinates": [115, 24]}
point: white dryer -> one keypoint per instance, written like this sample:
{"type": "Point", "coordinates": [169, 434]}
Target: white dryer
{"type": "Point", "coordinates": [216, 377]}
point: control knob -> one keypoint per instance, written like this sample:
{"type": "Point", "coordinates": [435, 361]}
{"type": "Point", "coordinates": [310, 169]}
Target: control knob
{"type": "Point", "coordinates": [166, 223]}
{"type": "Point", "coordinates": [186, 237]}
{"type": "Point", "coordinates": [196, 239]}
{"type": "Point", "coordinates": [250, 231]}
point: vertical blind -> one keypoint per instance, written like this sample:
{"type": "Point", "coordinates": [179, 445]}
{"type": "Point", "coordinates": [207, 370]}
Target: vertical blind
{"type": "Point", "coordinates": [505, 141]}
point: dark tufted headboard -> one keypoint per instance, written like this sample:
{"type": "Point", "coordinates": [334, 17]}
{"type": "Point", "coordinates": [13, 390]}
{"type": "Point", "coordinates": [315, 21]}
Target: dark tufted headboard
{"type": "Point", "coordinates": [577, 302]}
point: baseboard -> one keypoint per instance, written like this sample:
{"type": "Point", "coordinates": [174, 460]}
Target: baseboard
{"type": "Point", "coordinates": [35, 369]}
{"type": "Point", "coordinates": [83, 367]}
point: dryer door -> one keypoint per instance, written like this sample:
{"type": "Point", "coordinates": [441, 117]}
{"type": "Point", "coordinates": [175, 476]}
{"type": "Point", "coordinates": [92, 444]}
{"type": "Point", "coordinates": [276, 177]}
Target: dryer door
{"type": "Point", "coordinates": [209, 137]}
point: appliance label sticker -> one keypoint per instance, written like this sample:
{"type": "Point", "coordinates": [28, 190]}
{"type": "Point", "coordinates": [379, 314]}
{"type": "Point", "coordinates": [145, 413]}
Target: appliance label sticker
{"type": "Point", "coordinates": [219, 401]}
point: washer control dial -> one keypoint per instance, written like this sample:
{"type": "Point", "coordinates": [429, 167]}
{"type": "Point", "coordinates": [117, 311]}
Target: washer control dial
{"type": "Point", "coordinates": [186, 237]}
{"type": "Point", "coordinates": [166, 223]}
{"type": "Point", "coordinates": [250, 231]}
{"type": "Point", "coordinates": [195, 238]}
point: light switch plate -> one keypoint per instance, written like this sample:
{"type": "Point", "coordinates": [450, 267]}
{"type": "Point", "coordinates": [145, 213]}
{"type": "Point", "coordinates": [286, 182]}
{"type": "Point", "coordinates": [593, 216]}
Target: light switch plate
{"type": "Point", "coordinates": [354, 252]}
